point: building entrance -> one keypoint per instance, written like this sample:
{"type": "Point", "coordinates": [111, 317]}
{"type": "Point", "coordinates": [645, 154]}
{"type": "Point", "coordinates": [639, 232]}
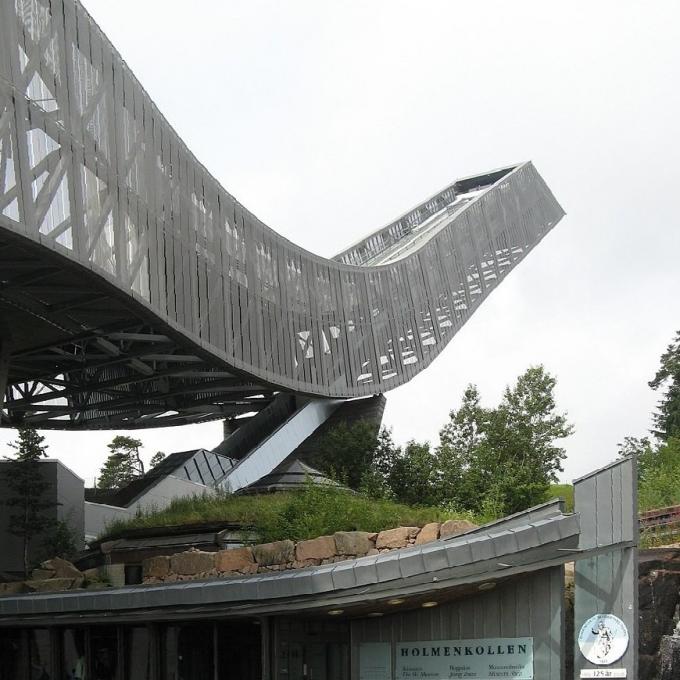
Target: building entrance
{"type": "Point", "coordinates": [312, 650]}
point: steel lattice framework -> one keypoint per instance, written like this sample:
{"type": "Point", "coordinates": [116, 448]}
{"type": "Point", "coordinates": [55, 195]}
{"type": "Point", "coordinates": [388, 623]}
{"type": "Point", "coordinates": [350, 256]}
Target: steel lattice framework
{"type": "Point", "coordinates": [135, 291]}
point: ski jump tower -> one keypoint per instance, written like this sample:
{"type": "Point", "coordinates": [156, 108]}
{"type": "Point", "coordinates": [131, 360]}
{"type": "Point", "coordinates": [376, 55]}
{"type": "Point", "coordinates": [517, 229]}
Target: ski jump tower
{"type": "Point", "coordinates": [136, 292]}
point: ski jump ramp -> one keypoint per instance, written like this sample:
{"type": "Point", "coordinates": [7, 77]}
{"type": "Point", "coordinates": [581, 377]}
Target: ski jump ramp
{"type": "Point", "coordinates": [135, 291]}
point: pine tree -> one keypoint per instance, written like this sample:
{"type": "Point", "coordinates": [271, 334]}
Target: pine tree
{"type": "Point", "coordinates": [123, 464]}
{"type": "Point", "coordinates": [156, 459]}
{"type": "Point", "coordinates": [667, 418]}
{"type": "Point", "coordinates": [27, 486]}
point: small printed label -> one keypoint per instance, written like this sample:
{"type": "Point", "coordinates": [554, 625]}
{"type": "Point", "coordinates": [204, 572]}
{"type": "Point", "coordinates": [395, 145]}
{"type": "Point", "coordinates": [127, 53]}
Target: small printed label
{"type": "Point", "coordinates": [604, 673]}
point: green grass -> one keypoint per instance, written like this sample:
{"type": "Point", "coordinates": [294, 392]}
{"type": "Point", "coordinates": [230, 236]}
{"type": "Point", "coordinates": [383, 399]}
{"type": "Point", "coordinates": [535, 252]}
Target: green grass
{"type": "Point", "coordinates": [564, 491]}
{"type": "Point", "coordinates": [309, 513]}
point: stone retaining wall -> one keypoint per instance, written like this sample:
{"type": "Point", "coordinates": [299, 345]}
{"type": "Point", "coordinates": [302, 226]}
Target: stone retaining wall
{"type": "Point", "coordinates": [283, 555]}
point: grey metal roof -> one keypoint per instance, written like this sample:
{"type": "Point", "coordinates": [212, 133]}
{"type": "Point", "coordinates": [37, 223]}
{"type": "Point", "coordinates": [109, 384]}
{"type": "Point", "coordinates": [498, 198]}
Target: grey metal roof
{"type": "Point", "coordinates": [289, 476]}
{"type": "Point", "coordinates": [501, 551]}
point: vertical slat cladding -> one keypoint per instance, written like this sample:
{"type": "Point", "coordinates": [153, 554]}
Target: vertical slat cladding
{"type": "Point", "coordinates": [13, 32]}
{"type": "Point", "coordinates": [531, 606]}
{"type": "Point", "coordinates": [607, 583]}
{"type": "Point", "coordinates": [69, 85]}
{"type": "Point", "coordinates": [119, 156]}
{"type": "Point", "coordinates": [585, 501]}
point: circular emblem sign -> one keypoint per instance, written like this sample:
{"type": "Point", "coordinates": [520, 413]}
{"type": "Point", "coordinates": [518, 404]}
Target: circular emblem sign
{"type": "Point", "coordinates": [603, 639]}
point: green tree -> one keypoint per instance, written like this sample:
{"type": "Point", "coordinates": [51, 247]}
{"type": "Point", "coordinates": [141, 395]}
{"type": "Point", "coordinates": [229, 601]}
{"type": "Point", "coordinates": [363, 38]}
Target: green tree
{"type": "Point", "coordinates": [659, 484]}
{"type": "Point", "coordinates": [61, 541]}
{"type": "Point", "coordinates": [123, 463]}
{"type": "Point", "coordinates": [157, 458]}
{"type": "Point", "coordinates": [375, 481]}
{"type": "Point", "coordinates": [502, 460]}
{"type": "Point", "coordinates": [26, 502]}
{"type": "Point", "coordinates": [413, 478]}
{"type": "Point", "coordinates": [459, 443]}
{"type": "Point", "coordinates": [345, 452]}
{"type": "Point", "coordinates": [667, 379]}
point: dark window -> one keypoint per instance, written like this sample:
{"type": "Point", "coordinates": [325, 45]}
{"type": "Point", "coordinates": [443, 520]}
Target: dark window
{"type": "Point", "coordinates": [103, 653]}
{"type": "Point", "coordinates": [137, 654]}
{"type": "Point", "coordinates": [12, 657]}
{"type": "Point", "coordinates": [73, 654]}
{"type": "Point", "coordinates": [40, 651]}
{"type": "Point", "coordinates": [239, 650]}
{"type": "Point", "coordinates": [187, 653]}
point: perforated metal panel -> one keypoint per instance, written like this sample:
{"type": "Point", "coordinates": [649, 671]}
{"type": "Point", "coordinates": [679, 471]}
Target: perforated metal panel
{"type": "Point", "coordinates": [94, 176]}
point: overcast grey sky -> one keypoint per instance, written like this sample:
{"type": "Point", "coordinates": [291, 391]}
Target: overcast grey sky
{"type": "Point", "coordinates": [329, 119]}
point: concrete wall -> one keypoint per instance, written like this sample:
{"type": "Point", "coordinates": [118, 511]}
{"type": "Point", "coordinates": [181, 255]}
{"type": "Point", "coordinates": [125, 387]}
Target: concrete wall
{"type": "Point", "coordinates": [98, 516]}
{"type": "Point", "coordinates": [528, 607]}
{"type": "Point", "coordinates": [66, 488]}
{"type": "Point", "coordinates": [71, 498]}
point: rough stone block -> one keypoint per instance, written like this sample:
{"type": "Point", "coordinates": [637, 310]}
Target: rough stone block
{"type": "Point", "coordinates": [315, 549]}
{"type": "Point", "coordinates": [52, 584]}
{"type": "Point", "coordinates": [453, 527]}
{"type": "Point", "coordinates": [430, 532]}
{"type": "Point", "coordinates": [13, 588]}
{"type": "Point", "coordinates": [192, 562]}
{"type": "Point", "coordinates": [395, 538]}
{"type": "Point", "coordinates": [156, 567]}
{"type": "Point", "coordinates": [61, 568]}
{"type": "Point", "coordinates": [42, 574]}
{"type": "Point", "coordinates": [236, 559]}
{"type": "Point", "coordinates": [353, 542]}
{"type": "Point", "coordinates": [278, 552]}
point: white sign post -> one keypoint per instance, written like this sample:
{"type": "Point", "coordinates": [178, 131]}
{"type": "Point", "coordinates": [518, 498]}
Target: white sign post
{"type": "Point", "coordinates": [480, 659]}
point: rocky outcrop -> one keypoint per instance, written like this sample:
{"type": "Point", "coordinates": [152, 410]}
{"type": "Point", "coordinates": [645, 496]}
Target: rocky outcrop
{"type": "Point", "coordinates": [659, 597]}
{"type": "Point", "coordinates": [56, 568]}
{"type": "Point", "coordinates": [51, 576]}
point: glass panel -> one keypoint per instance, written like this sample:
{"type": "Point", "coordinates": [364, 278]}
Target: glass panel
{"type": "Point", "coordinates": [187, 653]}
{"type": "Point", "coordinates": [169, 653]}
{"type": "Point", "coordinates": [195, 653]}
{"type": "Point", "coordinates": [239, 651]}
{"type": "Point", "coordinates": [290, 661]}
{"type": "Point", "coordinates": [138, 654]}
{"type": "Point", "coordinates": [12, 658]}
{"type": "Point", "coordinates": [39, 647]}
{"type": "Point", "coordinates": [73, 654]}
{"type": "Point", "coordinates": [103, 653]}
{"type": "Point", "coordinates": [338, 661]}
{"type": "Point", "coordinates": [315, 660]}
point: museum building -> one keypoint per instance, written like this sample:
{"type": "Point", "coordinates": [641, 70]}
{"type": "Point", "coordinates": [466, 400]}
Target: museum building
{"type": "Point", "coordinates": [489, 603]}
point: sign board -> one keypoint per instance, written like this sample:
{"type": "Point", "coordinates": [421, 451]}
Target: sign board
{"type": "Point", "coordinates": [480, 659]}
{"type": "Point", "coordinates": [375, 661]}
{"type": "Point", "coordinates": [604, 673]}
{"type": "Point", "coordinates": [603, 639]}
